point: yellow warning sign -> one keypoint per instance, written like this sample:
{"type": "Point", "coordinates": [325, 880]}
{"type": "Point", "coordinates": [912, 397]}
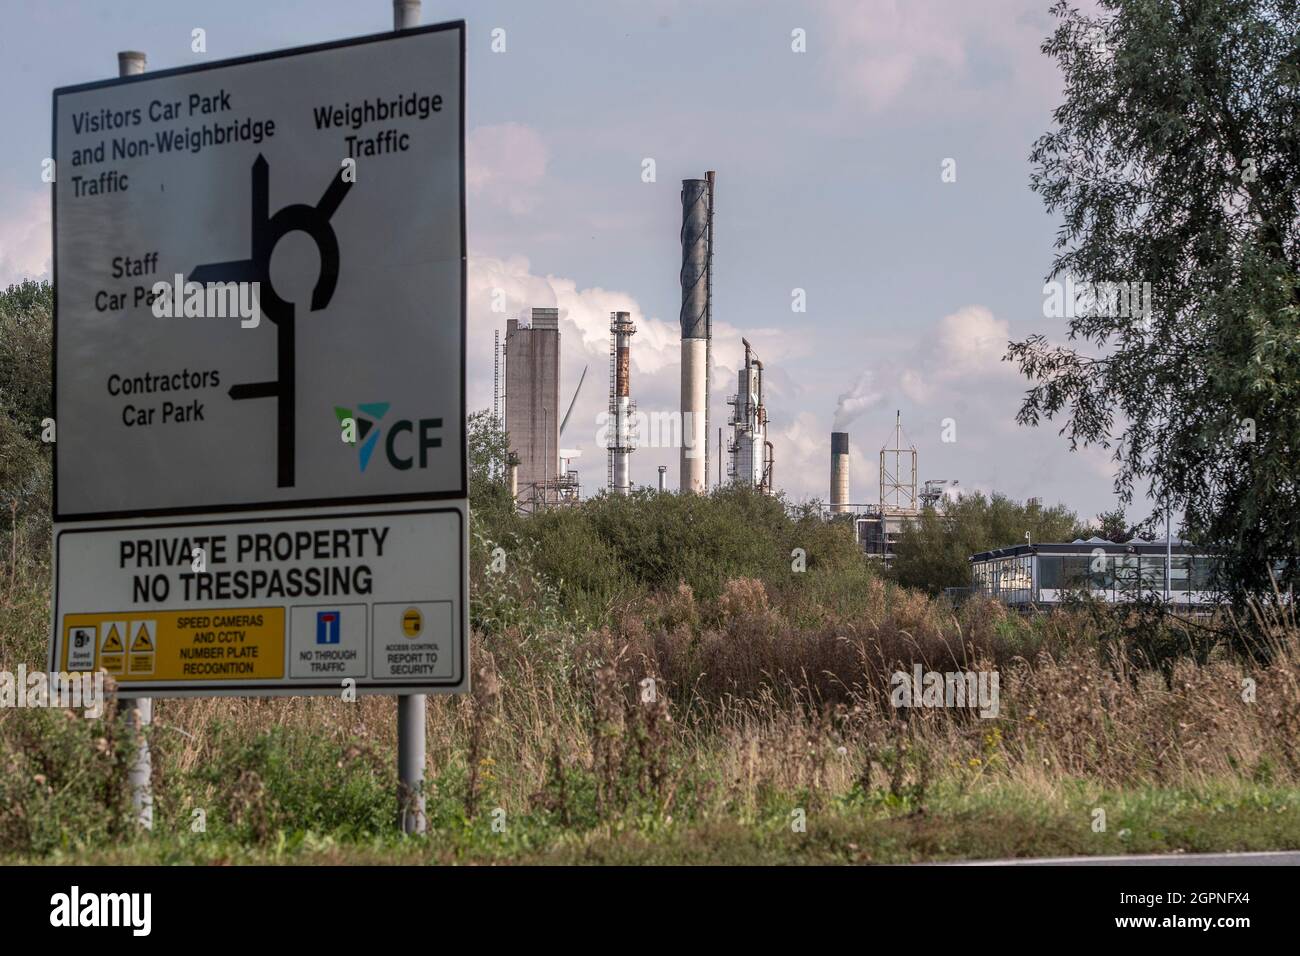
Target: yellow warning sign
{"type": "Point", "coordinates": [206, 645]}
{"type": "Point", "coordinates": [412, 622]}
{"type": "Point", "coordinates": [112, 649]}
{"type": "Point", "coordinates": [142, 640]}
{"type": "Point", "coordinates": [113, 642]}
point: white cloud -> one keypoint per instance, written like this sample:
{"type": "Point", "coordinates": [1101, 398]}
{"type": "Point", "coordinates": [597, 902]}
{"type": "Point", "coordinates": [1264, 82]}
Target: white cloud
{"type": "Point", "coordinates": [961, 355]}
{"type": "Point", "coordinates": [25, 240]}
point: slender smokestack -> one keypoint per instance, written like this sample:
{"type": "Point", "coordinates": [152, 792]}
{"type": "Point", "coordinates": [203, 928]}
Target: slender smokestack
{"type": "Point", "coordinates": [406, 14]}
{"type": "Point", "coordinates": [621, 406]}
{"type": "Point", "coordinates": [697, 326]}
{"type": "Point", "coordinates": [130, 62]}
{"type": "Point", "coordinates": [839, 471]}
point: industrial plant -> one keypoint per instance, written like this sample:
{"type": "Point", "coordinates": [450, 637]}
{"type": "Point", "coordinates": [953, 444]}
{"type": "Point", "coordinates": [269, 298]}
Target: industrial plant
{"type": "Point", "coordinates": [879, 524]}
{"type": "Point", "coordinates": [751, 452]}
{"type": "Point", "coordinates": [540, 474]}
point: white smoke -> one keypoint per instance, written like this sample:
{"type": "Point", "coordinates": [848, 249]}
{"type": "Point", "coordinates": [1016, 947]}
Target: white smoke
{"type": "Point", "coordinates": [855, 401]}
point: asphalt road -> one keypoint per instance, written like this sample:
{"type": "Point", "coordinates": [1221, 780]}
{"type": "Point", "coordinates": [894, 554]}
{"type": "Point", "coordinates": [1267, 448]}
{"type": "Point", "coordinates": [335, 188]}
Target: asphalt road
{"type": "Point", "coordinates": [1272, 858]}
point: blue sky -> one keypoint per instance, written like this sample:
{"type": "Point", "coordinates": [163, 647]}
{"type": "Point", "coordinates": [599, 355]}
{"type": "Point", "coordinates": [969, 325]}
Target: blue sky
{"type": "Point", "coordinates": [829, 180]}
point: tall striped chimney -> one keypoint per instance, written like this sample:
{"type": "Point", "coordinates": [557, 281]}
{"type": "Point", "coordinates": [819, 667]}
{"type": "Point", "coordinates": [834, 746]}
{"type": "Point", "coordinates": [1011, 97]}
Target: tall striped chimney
{"type": "Point", "coordinates": [697, 329]}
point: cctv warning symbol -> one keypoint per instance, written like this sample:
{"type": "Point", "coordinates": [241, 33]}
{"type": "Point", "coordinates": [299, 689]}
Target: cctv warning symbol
{"type": "Point", "coordinates": [142, 648]}
{"type": "Point", "coordinates": [112, 641]}
{"type": "Point", "coordinates": [112, 649]}
{"type": "Point", "coordinates": [143, 640]}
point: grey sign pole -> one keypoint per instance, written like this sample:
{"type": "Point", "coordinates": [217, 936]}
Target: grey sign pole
{"type": "Point", "coordinates": [410, 707]}
{"type": "Point", "coordinates": [138, 713]}
{"type": "Point", "coordinates": [410, 762]}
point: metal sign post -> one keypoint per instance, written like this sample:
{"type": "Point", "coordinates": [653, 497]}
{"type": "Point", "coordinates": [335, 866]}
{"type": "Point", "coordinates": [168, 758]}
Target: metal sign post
{"type": "Point", "coordinates": [138, 714]}
{"type": "Point", "coordinates": [411, 725]}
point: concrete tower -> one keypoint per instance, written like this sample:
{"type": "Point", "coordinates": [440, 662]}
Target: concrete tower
{"type": "Point", "coordinates": [839, 471]}
{"type": "Point", "coordinates": [532, 355]}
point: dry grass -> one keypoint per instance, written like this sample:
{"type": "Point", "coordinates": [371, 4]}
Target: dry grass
{"type": "Point", "coordinates": [769, 710]}
{"type": "Point", "coordinates": [746, 717]}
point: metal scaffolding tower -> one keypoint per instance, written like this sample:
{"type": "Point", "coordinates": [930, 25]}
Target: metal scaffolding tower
{"type": "Point", "coordinates": [898, 491]}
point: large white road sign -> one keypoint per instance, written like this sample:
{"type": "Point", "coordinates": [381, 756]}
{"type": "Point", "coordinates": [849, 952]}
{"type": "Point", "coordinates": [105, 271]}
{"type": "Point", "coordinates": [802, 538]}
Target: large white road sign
{"type": "Point", "coordinates": [259, 372]}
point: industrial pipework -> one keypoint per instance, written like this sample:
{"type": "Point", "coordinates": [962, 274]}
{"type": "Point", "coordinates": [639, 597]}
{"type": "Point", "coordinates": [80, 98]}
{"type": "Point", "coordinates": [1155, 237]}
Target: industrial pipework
{"type": "Point", "coordinates": [697, 329]}
{"type": "Point", "coordinates": [751, 452]}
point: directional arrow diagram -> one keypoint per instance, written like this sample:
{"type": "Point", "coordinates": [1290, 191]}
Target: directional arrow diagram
{"type": "Point", "coordinates": [315, 221]}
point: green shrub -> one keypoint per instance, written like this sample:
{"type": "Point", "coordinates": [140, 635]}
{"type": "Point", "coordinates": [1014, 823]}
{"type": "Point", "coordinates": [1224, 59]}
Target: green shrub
{"type": "Point", "coordinates": [288, 784]}
{"type": "Point", "coordinates": [61, 782]}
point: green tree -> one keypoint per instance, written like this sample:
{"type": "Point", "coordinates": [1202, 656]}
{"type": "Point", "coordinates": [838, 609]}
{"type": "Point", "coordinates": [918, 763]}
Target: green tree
{"type": "Point", "coordinates": [488, 450]}
{"type": "Point", "coordinates": [934, 552]}
{"type": "Point", "coordinates": [1113, 525]}
{"type": "Point", "coordinates": [1175, 161]}
{"type": "Point", "coordinates": [26, 321]}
